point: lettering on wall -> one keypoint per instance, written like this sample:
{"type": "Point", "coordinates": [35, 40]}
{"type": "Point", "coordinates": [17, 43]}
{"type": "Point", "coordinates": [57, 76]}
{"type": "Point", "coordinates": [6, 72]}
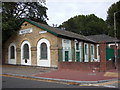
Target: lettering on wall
{"type": "Point", "coordinates": [41, 32]}
{"type": "Point", "coordinates": [29, 30]}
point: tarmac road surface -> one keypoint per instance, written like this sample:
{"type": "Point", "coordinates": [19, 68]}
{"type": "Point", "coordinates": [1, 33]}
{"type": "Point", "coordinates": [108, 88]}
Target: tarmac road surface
{"type": "Point", "coordinates": [11, 82]}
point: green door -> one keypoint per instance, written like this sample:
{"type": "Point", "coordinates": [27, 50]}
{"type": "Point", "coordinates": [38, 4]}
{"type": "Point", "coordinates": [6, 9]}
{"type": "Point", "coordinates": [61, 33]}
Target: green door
{"type": "Point", "coordinates": [109, 53]}
{"type": "Point", "coordinates": [66, 56]}
{"type": "Point", "coordinates": [78, 56]}
{"type": "Point", "coordinates": [119, 52]}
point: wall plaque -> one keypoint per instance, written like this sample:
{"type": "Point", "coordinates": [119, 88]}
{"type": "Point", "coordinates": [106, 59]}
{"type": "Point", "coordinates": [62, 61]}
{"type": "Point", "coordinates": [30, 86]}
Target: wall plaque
{"type": "Point", "coordinates": [41, 32]}
{"type": "Point", "coordinates": [29, 30]}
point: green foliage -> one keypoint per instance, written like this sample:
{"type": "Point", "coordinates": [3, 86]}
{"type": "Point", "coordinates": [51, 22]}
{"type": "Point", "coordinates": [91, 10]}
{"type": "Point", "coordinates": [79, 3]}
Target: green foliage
{"type": "Point", "coordinates": [110, 19]}
{"type": "Point", "coordinates": [14, 12]}
{"type": "Point", "coordinates": [9, 25]}
{"type": "Point", "coordinates": [86, 25]}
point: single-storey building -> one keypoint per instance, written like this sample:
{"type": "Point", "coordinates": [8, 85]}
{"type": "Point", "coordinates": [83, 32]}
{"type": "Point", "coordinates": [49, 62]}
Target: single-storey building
{"type": "Point", "coordinates": [110, 43]}
{"type": "Point", "coordinates": [37, 44]}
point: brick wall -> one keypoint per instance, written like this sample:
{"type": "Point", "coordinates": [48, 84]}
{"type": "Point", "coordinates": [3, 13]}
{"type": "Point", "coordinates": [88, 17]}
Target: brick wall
{"type": "Point", "coordinates": [82, 66]}
{"type": "Point", "coordinates": [102, 56]}
{"type": "Point", "coordinates": [110, 65]}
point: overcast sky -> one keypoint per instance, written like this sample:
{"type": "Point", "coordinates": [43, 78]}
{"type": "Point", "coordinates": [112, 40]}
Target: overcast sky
{"type": "Point", "coordinates": [61, 10]}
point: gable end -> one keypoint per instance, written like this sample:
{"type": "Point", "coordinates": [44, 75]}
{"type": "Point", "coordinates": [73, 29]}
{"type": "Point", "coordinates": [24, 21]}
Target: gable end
{"type": "Point", "coordinates": [38, 26]}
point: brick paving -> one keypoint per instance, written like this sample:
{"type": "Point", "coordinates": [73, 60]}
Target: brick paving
{"type": "Point", "coordinates": [57, 74]}
{"type": "Point", "coordinates": [62, 74]}
{"type": "Point", "coordinates": [76, 75]}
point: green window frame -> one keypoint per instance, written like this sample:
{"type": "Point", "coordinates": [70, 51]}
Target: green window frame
{"type": "Point", "coordinates": [77, 56]}
{"type": "Point", "coordinates": [66, 56]}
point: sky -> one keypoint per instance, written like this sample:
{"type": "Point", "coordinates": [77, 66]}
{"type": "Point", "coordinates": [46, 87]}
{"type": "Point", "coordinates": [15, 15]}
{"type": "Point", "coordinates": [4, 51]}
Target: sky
{"type": "Point", "coordinates": [60, 11]}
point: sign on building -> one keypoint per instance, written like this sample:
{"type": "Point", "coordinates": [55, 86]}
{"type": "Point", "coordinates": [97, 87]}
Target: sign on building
{"type": "Point", "coordinates": [29, 30]}
{"type": "Point", "coordinates": [41, 32]}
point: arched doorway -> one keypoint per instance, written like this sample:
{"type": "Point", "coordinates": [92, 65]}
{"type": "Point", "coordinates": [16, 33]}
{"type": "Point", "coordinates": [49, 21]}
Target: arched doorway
{"type": "Point", "coordinates": [25, 53]}
{"type": "Point", "coordinates": [43, 53]}
{"type": "Point", "coordinates": [12, 54]}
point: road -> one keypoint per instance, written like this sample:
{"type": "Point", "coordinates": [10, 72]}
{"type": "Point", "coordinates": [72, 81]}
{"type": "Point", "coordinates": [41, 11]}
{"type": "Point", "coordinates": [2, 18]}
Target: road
{"type": "Point", "coordinates": [13, 82]}
{"type": "Point", "coordinates": [24, 70]}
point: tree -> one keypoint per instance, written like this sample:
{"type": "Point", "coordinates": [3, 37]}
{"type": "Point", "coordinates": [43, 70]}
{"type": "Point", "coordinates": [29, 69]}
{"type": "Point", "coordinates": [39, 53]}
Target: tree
{"type": "Point", "coordinates": [86, 25]}
{"type": "Point", "coordinates": [110, 19]}
{"type": "Point", "coordinates": [13, 12]}
{"type": "Point", "coordinates": [9, 24]}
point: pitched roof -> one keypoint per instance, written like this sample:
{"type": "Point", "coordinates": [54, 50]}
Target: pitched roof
{"type": "Point", "coordinates": [58, 32]}
{"type": "Point", "coordinates": [103, 37]}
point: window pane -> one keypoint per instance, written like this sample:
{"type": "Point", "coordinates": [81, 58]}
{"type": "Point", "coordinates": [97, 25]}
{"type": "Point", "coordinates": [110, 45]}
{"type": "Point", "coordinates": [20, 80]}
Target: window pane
{"type": "Point", "coordinates": [12, 52]}
{"type": "Point", "coordinates": [26, 51]}
{"type": "Point", "coordinates": [86, 49]}
{"type": "Point", "coordinates": [43, 51]}
{"type": "Point", "coordinates": [98, 50]}
{"type": "Point", "coordinates": [92, 50]}
{"type": "Point", "coordinates": [77, 46]}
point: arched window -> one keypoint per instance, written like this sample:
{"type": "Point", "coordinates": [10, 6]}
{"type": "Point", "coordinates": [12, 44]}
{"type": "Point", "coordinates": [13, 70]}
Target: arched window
{"type": "Point", "coordinates": [12, 52]}
{"type": "Point", "coordinates": [43, 51]}
{"type": "Point", "coordinates": [26, 51]}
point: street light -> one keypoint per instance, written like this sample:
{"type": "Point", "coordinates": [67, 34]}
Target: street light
{"type": "Point", "coordinates": [115, 36]}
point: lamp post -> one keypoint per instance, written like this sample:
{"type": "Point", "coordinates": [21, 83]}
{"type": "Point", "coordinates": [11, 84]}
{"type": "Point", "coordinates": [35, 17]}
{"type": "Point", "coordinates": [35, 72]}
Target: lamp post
{"type": "Point", "coordinates": [115, 37]}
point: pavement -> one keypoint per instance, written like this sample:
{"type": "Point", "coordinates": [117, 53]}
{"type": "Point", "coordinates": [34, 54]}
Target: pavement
{"type": "Point", "coordinates": [54, 74]}
{"type": "Point", "coordinates": [25, 70]}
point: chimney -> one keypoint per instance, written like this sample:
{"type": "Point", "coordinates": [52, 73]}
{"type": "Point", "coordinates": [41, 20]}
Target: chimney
{"type": "Point", "coordinates": [54, 25]}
